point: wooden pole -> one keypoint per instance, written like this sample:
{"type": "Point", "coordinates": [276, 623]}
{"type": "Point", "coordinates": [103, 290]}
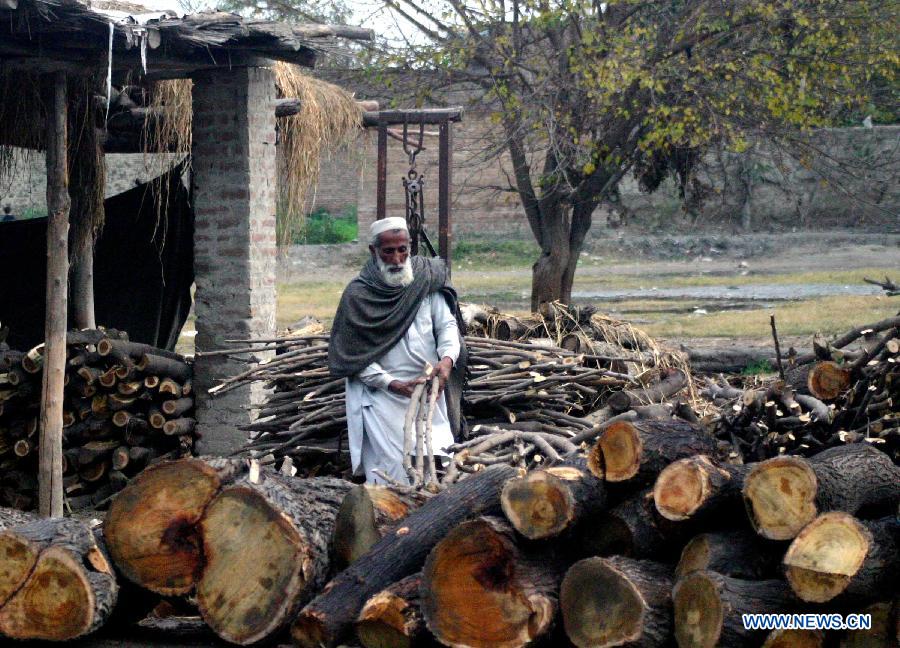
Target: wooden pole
{"type": "Point", "coordinates": [50, 476]}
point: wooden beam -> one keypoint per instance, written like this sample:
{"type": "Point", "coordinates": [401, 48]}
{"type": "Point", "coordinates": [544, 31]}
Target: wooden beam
{"type": "Point", "coordinates": [50, 485]}
{"type": "Point", "coordinates": [413, 116]}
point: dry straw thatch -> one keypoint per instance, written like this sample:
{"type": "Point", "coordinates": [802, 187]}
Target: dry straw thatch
{"type": "Point", "coordinates": [328, 119]}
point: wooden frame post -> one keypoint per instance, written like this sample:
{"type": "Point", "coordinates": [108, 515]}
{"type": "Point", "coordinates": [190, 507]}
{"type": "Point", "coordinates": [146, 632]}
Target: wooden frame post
{"type": "Point", "coordinates": [50, 488]}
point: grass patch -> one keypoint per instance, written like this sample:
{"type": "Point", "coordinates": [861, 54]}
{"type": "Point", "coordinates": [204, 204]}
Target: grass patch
{"type": "Point", "coordinates": [760, 368]}
{"type": "Point", "coordinates": [494, 253]}
{"type": "Point", "coordinates": [828, 315]}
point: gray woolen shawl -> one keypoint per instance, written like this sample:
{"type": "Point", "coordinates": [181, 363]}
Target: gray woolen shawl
{"type": "Point", "coordinates": [373, 316]}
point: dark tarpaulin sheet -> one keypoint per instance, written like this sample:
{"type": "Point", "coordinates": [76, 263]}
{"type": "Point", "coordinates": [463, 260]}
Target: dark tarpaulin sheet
{"type": "Point", "coordinates": [143, 269]}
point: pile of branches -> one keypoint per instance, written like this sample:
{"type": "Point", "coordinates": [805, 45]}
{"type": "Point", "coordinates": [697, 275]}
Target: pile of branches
{"type": "Point", "coordinates": [829, 397]}
{"type": "Point", "coordinates": [125, 406]}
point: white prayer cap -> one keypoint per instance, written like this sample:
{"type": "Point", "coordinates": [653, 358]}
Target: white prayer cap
{"type": "Point", "coordinates": [386, 224]}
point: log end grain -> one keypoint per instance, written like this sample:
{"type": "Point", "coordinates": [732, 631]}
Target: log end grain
{"type": "Point", "coordinates": [682, 488]}
{"type": "Point", "coordinates": [17, 559]}
{"type": "Point", "coordinates": [825, 556]}
{"type": "Point", "coordinates": [621, 448]}
{"type": "Point", "coordinates": [794, 639]}
{"type": "Point", "coordinates": [602, 606]}
{"type": "Point", "coordinates": [780, 497]}
{"type": "Point", "coordinates": [827, 380]}
{"type": "Point", "coordinates": [384, 622]}
{"type": "Point", "coordinates": [474, 596]}
{"type": "Point", "coordinates": [698, 610]}
{"type": "Point", "coordinates": [254, 564]}
{"type": "Point", "coordinates": [310, 630]}
{"type": "Point", "coordinates": [539, 505]}
{"type": "Point", "coordinates": [151, 528]}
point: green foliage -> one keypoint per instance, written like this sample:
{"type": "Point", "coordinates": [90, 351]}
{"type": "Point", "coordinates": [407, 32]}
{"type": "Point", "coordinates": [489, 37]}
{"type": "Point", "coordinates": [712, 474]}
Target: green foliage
{"type": "Point", "coordinates": [321, 227]}
{"type": "Point", "coordinates": [760, 368]}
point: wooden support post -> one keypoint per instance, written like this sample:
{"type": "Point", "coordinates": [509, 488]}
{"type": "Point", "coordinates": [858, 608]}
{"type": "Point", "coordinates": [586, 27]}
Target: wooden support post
{"type": "Point", "coordinates": [50, 484]}
{"type": "Point", "coordinates": [444, 181]}
{"type": "Point", "coordinates": [381, 183]}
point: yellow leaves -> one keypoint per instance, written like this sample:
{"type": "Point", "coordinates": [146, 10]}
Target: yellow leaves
{"type": "Point", "coordinates": [588, 168]}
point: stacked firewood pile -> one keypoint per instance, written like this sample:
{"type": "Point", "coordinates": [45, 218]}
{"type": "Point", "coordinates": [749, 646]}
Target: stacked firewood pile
{"type": "Point", "coordinates": [126, 405]}
{"type": "Point", "coordinates": [829, 397]}
{"type": "Point", "coordinates": [525, 389]}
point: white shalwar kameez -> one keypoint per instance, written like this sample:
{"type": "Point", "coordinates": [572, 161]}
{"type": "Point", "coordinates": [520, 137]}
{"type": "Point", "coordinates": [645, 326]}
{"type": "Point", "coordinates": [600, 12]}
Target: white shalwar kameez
{"type": "Point", "coordinates": [375, 415]}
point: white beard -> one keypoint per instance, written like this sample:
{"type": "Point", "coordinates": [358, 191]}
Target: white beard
{"type": "Point", "coordinates": [396, 279]}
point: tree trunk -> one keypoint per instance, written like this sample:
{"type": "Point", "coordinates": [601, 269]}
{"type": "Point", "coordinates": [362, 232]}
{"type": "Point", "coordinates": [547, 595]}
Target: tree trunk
{"type": "Point", "coordinates": [480, 589]}
{"type": "Point", "coordinates": [698, 486]}
{"type": "Point", "coordinates": [329, 617]}
{"type": "Point", "coordinates": [365, 515]}
{"type": "Point", "coordinates": [547, 273]}
{"type": "Point", "coordinates": [708, 608]}
{"type": "Point", "coordinates": [87, 171]}
{"type": "Point", "coordinates": [638, 451]}
{"type": "Point", "coordinates": [544, 503]}
{"type": "Point", "coordinates": [50, 487]}
{"type": "Point", "coordinates": [740, 554]}
{"type": "Point", "coordinates": [152, 525]}
{"type": "Point", "coordinates": [265, 551]}
{"type": "Point", "coordinates": [784, 494]}
{"type": "Point", "coordinates": [617, 601]}
{"type": "Point", "coordinates": [838, 554]}
{"type": "Point", "coordinates": [393, 618]}
{"type": "Point", "coordinates": [55, 581]}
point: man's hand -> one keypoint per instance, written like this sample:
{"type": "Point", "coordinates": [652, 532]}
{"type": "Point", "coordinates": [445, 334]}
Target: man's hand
{"type": "Point", "coordinates": [405, 387]}
{"type": "Point", "coordinates": [443, 369]}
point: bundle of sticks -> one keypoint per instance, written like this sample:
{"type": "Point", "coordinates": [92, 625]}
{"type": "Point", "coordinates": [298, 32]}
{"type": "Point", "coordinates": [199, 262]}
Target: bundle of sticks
{"type": "Point", "coordinates": [126, 405]}
{"type": "Point", "coordinates": [827, 398]}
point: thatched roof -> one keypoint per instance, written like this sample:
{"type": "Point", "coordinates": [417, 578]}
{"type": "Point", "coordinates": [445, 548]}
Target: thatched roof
{"type": "Point", "coordinates": [45, 35]}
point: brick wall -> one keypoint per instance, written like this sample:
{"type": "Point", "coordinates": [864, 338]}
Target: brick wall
{"type": "Point", "coordinates": [234, 237]}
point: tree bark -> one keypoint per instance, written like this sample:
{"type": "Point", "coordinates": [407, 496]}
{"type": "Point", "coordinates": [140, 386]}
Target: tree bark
{"type": "Point", "coordinates": [740, 554]}
{"type": "Point", "coordinates": [50, 488]}
{"type": "Point", "coordinates": [64, 585]}
{"type": "Point", "coordinates": [885, 630]}
{"type": "Point", "coordinates": [784, 494]}
{"type": "Point", "coordinates": [544, 503]}
{"type": "Point", "coordinates": [638, 451]}
{"type": "Point", "coordinates": [329, 617]}
{"type": "Point", "coordinates": [617, 602]}
{"type": "Point", "coordinates": [393, 618]}
{"type": "Point", "coordinates": [480, 589]}
{"type": "Point", "coordinates": [708, 608]}
{"type": "Point", "coordinates": [152, 525]}
{"type": "Point", "coordinates": [365, 515]}
{"type": "Point", "coordinates": [265, 552]}
{"type": "Point", "coordinates": [836, 554]}
{"type": "Point", "coordinates": [698, 486]}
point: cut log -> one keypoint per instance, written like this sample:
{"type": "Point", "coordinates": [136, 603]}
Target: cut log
{"type": "Point", "coordinates": [795, 639]}
{"type": "Point", "coordinates": [250, 590]}
{"type": "Point", "coordinates": [784, 494]}
{"type": "Point", "coordinates": [176, 407]}
{"type": "Point", "coordinates": [480, 589]}
{"type": "Point", "coordinates": [151, 528]}
{"type": "Point", "coordinates": [838, 554]}
{"type": "Point", "coordinates": [639, 450]}
{"type": "Point", "coordinates": [885, 630]}
{"type": "Point", "coordinates": [825, 380]}
{"type": "Point", "coordinates": [366, 513]}
{"type": "Point", "coordinates": [739, 554]}
{"type": "Point", "coordinates": [617, 601]}
{"type": "Point", "coordinates": [698, 486]}
{"type": "Point", "coordinates": [544, 503]}
{"type": "Point", "coordinates": [670, 385]}
{"type": "Point", "coordinates": [63, 584]}
{"type": "Point", "coordinates": [635, 529]}
{"type": "Point", "coordinates": [158, 365]}
{"type": "Point", "coordinates": [329, 617]}
{"type": "Point", "coordinates": [708, 608]}
{"type": "Point", "coordinates": [179, 427]}
{"type": "Point", "coordinates": [393, 618]}
{"type": "Point", "coordinates": [731, 359]}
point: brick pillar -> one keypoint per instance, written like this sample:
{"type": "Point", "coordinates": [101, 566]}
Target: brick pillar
{"type": "Point", "coordinates": [233, 159]}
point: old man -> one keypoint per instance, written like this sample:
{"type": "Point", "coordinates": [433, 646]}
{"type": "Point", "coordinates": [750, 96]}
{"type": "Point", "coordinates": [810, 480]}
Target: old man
{"type": "Point", "coordinates": [397, 317]}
